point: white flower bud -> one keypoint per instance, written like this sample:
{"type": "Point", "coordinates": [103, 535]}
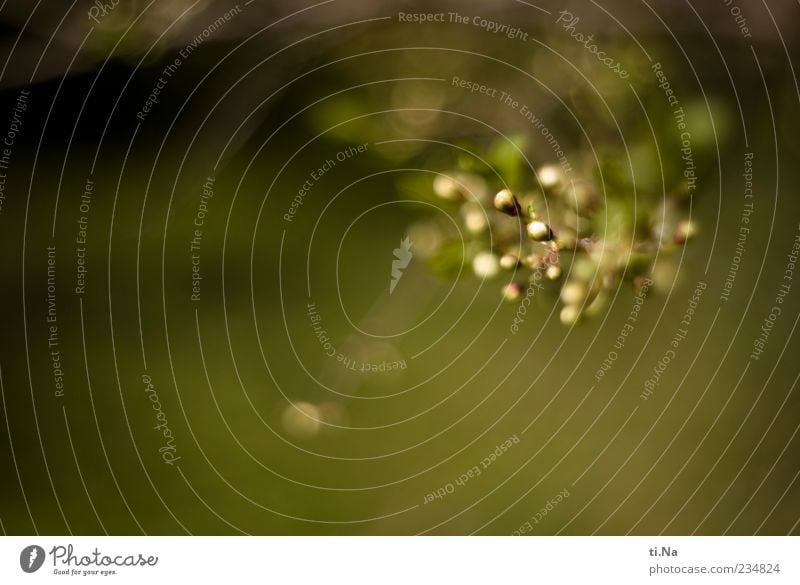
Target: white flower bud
{"type": "Point", "coordinates": [569, 315]}
{"type": "Point", "coordinates": [573, 293]}
{"type": "Point", "coordinates": [512, 292]}
{"type": "Point", "coordinates": [553, 272]}
{"type": "Point", "coordinates": [485, 265]}
{"type": "Point", "coordinates": [684, 231]}
{"type": "Point", "coordinates": [506, 202]}
{"type": "Point", "coordinates": [446, 188]}
{"type": "Point", "coordinates": [539, 231]}
{"type": "Point", "coordinates": [509, 262]}
{"type": "Point", "coordinates": [302, 420]}
{"type": "Point", "coordinates": [549, 176]}
{"type": "Point", "coordinates": [475, 221]}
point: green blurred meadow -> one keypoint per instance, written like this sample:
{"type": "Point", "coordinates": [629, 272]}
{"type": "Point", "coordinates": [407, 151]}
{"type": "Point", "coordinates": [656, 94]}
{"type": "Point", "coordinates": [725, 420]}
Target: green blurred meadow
{"type": "Point", "coordinates": [268, 433]}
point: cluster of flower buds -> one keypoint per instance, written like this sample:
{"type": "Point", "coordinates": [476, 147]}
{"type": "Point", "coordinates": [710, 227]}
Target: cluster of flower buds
{"type": "Point", "coordinates": [561, 230]}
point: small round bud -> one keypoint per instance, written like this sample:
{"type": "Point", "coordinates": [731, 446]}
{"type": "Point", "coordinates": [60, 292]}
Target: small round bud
{"type": "Point", "coordinates": [446, 188]}
{"type": "Point", "coordinates": [302, 420]}
{"type": "Point", "coordinates": [569, 315]}
{"type": "Point", "coordinates": [684, 231]}
{"type": "Point", "coordinates": [532, 261]}
{"type": "Point", "coordinates": [509, 262]}
{"type": "Point", "coordinates": [485, 265]}
{"type": "Point", "coordinates": [553, 272]}
{"type": "Point", "coordinates": [427, 238]}
{"type": "Point", "coordinates": [573, 293]}
{"type": "Point", "coordinates": [549, 176]}
{"type": "Point", "coordinates": [475, 221]}
{"type": "Point", "coordinates": [539, 231]}
{"type": "Point", "coordinates": [584, 268]}
{"type": "Point", "coordinates": [512, 292]}
{"type": "Point", "coordinates": [506, 202]}
{"type": "Point", "coordinates": [663, 275]}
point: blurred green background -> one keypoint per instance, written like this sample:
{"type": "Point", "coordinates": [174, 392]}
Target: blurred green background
{"type": "Point", "coordinates": [276, 437]}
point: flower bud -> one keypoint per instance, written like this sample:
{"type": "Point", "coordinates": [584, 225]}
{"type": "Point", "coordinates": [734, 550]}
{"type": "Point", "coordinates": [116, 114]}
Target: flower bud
{"type": "Point", "coordinates": [569, 315]}
{"type": "Point", "coordinates": [302, 420]}
{"type": "Point", "coordinates": [446, 188]}
{"type": "Point", "coordinates": [549, 176]}
{"type": "Point", "coordinates": [512, 292]}
{"type": "Point", "coordinates": [684, 231]}
{"type": "Point", "coordinates": [532, 261]}
{"type": "Point", "coordinates": [553, 272]}
{"type": "Point", "coordinates": [573, 293]}
{"type": "Point", "coordinates": [485, 265]}
{"type": "Point", "coordinates": [475, 221]}
{"type": "Point", "coordinates": [584, 268]}
{"type": "Point", "coordinates": [506, 202]}
{"type": "Point", "coordinates": [539, 231]}
{"type": "Point", "coordinates": [509, 262]}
